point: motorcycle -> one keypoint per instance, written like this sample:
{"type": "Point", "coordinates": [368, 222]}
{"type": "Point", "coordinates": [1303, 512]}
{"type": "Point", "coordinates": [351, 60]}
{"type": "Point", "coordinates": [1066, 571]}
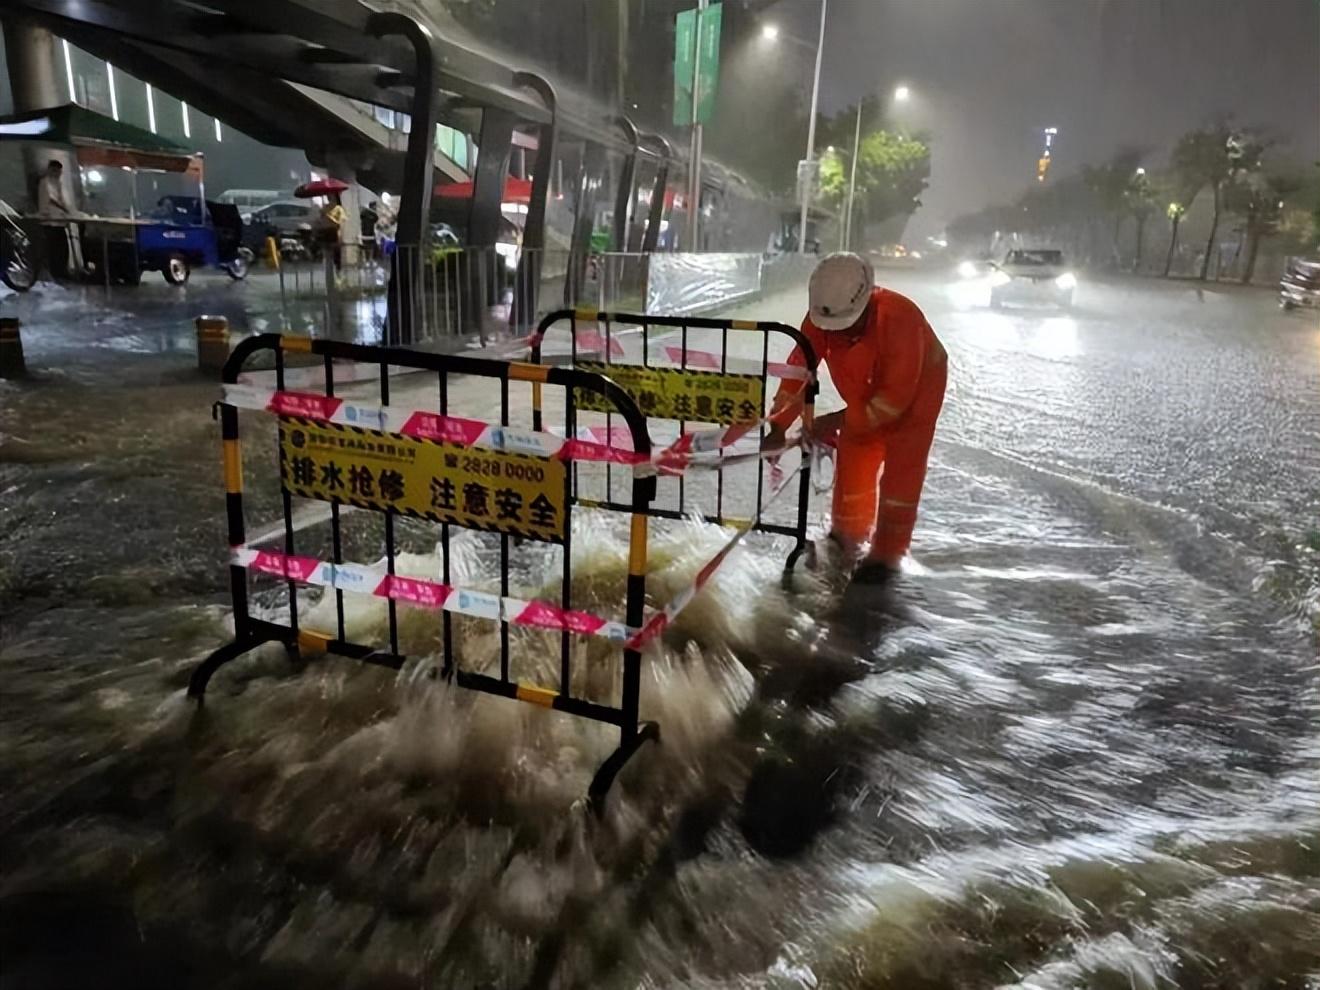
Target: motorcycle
{"type": "Point", "coordinates": [296, 247]}
{"type": "Point", "coordinates": [18, 268]}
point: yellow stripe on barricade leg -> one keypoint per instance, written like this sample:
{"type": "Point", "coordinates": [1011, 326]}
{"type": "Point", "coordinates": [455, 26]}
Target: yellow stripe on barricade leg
{"type": "Point", "coordinates": [744, 324]}
{"type": "Point", "coordinates": [586, 313]}
{"type": "Point", "coordinates": [536, 695]}
{"type": "Point", "coordinates": [313, 642]}
{"type": "Point", "coordinates": [300, 344]}
{"type": "Point", "coordinates": [522, 371]}
{"type": "Point", "coordinates": [233, 459]}
{"type": "Point", "coordinates": [637, 545]}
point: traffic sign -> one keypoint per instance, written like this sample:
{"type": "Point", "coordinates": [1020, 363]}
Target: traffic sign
{"type": "Point", "coordinates": [704, 63]}
{"type": "Point", "coordinates": [808, 179]}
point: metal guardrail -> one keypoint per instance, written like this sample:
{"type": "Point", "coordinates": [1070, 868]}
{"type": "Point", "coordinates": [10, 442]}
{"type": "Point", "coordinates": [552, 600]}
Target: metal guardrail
{"type": "Point", "coordinates": [689, 386]}
{"type": "Point", "coordinates": [441, 292]}
{"type": "Point", "coordinates": [520, 485]}
{"type": "Point", "coordinates": [452, 291]}
{"type": "Point", "coordinates": [437, 480]}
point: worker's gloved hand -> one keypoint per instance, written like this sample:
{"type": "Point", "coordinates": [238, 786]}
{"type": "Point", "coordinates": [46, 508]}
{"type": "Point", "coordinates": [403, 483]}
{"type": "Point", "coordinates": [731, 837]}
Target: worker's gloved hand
{"type": "Point", "coordinates": [825, 429]}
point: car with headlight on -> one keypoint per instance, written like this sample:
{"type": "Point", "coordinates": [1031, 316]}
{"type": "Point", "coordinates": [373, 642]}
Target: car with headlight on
{"type": "Point", "coordinates": [973, 268]}
{"type": "Point", "coordinates": [1300, 285]}
{"type": "Point", "coordinates": [1032, 275]}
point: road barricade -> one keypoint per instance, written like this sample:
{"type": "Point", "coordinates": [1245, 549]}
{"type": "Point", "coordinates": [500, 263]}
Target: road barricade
{"type": "Point", "coordinates": [717, 401]}
{"type": "Point", "coordinates": [445, 469]}
{"type": "Point", "coordinates": [435, 465]}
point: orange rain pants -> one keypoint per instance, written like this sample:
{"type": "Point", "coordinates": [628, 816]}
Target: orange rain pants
{"type": "Point", "coordinates": [892, 376]}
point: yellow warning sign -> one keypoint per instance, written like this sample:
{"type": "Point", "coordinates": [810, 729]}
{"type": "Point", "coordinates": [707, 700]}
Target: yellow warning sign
{"type": "Point", "coordinates": [676, 393]}
{"type": "Point", "coordinates": [480, 489]}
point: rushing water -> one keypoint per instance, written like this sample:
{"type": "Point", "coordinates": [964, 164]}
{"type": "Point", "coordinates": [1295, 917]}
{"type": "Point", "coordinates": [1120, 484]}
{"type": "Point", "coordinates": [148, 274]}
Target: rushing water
{"type": "Point", "coordinates": [1075, 746]}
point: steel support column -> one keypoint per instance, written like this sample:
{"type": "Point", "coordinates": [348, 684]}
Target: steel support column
{"type": "Point", "coordinates": [493, 147]}
{"type": "Point", "coordinates": [415, 201]}
{"type": "Point", "coordinates": [485, 277]}
{"type": "Point", "coordinates": [584, 219]}
{"type": "Point", "coordinates": [30, 54]}
{"type": "Point", "coordinates": [527, 285]}
{"type": "Point", "coordinates": [658, 192]}
{"type": "Point", "coordinates": [623, 199]}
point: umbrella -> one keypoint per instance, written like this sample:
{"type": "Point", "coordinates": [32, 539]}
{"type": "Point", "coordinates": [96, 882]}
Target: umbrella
{"type": "Point", "coordinates": [320, 187]}
{"type": "Point", "coordinates": [516, 190]}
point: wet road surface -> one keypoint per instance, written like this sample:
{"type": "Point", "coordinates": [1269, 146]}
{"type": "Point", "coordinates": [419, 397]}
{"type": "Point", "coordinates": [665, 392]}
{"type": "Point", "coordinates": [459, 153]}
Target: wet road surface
{"type": "Point", "coordinates": [1075, 746]}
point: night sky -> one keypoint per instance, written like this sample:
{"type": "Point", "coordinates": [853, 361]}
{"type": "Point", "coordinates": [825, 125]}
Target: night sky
{"type": "Point", "coordinates": [988, 75]}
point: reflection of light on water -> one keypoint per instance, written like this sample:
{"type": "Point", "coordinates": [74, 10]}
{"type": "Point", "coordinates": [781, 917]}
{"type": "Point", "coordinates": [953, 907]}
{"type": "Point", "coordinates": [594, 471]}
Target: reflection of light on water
{"type": "Point", "coordinates": [1051, 337]}
{"type": "Point", "coordinates": [996, 330]}
{"type": "Point", "coordinates": [1056, 337]}
{"type": "Point", "coordinates": [368, 314]}
{"type": "Point", "coordinates": [969, 293]}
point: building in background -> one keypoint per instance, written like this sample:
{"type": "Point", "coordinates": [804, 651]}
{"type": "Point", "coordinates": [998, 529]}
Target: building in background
{"type": "Point", "coordinates": [233, 160]}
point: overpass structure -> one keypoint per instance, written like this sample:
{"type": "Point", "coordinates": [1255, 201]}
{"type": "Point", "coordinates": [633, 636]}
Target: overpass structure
{"type": "Point", "coordinates": [305, 74]}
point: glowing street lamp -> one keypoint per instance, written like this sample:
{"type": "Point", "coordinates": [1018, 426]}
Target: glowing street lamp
{"type": "Point", "coordinates": [902, 94]}
{"type": "Point", "coordinates": [807, 168]}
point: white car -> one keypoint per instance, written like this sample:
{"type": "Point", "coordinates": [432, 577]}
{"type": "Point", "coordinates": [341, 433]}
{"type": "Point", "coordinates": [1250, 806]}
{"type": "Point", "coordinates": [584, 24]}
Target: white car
{"type": "Point", "coordinates": [1032, 275]}
{"type": "Point", "coordinates": [1300, 285]}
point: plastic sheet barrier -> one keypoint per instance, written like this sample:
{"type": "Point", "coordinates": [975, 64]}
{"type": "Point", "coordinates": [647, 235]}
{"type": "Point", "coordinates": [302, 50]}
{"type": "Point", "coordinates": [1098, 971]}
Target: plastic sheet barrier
{"type": "Point", "coordinates": [680, 284]}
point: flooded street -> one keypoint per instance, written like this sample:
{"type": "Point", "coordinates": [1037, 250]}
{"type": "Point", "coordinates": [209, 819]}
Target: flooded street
{"type": "Point", "coordinates": [1076, 744]}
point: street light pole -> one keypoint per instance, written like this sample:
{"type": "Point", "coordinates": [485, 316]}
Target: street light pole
{"type": "Point", "coordinates": [811, 134]}
{"type": "Point", "coordinates": [694, 152]}
{"type": "Point", "coordinates": [852, 180]}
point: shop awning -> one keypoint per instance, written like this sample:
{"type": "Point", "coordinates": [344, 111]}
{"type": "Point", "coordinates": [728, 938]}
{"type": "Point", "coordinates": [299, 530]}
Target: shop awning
{"type": "Point", "coordinates": [98, 139]}
{"type": "Point", "coordinates": [515, 190]}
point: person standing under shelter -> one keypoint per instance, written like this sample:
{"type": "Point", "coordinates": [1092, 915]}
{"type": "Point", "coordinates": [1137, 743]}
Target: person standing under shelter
{"type": "Point", "coordinates": [891, 370]}
{"type": "Point", "coordinates": [329, 223]}
{"type": "Point", "coordinates": [61, 238]}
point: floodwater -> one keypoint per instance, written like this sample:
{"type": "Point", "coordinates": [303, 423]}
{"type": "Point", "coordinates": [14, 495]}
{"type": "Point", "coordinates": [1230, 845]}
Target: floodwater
{"type": "Point", "coordinates": [1076, 745]}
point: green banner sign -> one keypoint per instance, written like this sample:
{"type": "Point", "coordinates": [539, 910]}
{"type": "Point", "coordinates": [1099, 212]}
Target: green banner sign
{"type": "Point", "coordinates": [708, 68]}
{"type": "Point", "coordinates": [704, 64]}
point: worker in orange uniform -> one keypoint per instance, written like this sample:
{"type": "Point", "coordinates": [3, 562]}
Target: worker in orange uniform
{"type": "Point", "coordinates": [890, 370]}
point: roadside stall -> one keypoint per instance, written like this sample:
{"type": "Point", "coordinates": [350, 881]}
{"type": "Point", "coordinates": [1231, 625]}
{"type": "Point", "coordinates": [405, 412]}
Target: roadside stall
{"type": "Point", "coordinates": [175, 235]}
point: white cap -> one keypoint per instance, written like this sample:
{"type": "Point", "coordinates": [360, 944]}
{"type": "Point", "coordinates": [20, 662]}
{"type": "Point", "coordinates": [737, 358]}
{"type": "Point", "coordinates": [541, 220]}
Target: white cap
{"type": "Point", "coordinates": [839, 290]}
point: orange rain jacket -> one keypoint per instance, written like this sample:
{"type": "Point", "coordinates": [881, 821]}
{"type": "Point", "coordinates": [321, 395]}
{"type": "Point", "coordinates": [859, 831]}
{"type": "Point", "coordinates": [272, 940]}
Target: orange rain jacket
{"type": "Point", "coordinates": [892, 378]}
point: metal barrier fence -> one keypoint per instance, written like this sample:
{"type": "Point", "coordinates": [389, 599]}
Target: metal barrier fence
{"type": "Point", "coordinates": [522, 485]}
{"type": "Point", "coordinates": [451, 291]}
{"type": "Point", "coordinates": [690, 385]}
{"type": "Point", "coordinates": [431, 466]}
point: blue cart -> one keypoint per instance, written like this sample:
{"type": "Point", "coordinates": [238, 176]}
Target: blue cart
{"type": "Point", "coordinates": [181, 233]}
{"type": "Point", "coordinates": [179, 237]}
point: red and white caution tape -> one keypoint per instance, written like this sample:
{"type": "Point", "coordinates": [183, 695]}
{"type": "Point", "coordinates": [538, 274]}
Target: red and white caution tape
{"type": "Point", "coordinates": [360, 579]}
{"type": "Point", "coordinates": [422, 425]}
{"type": "Point", "coordinates": [710, 361]}
{"type": "Point", "coordinates": [699, 448]}
{"type": "Point", "coordinates": [591, 341]}
{"type": "Point", "coordinates": [660, 621]}
{"type": "Point", "coordinates": [423, 593]}
{"type": "Point", "coordinates": [707, 448]}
